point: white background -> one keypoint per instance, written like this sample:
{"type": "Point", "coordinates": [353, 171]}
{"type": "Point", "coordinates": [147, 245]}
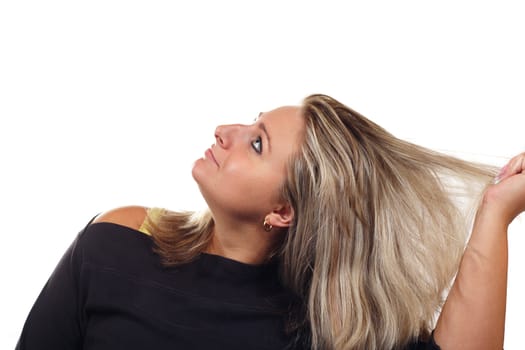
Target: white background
{"type": "Point", "coordinates": [107, 103]}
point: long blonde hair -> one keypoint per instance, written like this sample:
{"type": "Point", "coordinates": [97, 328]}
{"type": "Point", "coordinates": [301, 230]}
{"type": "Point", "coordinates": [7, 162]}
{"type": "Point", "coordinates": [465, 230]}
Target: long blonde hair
{"type": "Point", "coordinates": [379, 230]}
{"type": "Point", "coordinates": [380, 225]}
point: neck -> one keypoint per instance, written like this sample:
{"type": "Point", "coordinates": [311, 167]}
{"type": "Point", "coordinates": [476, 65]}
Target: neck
{"type": "Point", "coordinates": [242, 242]}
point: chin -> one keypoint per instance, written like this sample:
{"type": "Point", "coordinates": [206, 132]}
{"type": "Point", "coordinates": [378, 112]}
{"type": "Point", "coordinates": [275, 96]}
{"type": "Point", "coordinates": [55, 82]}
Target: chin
{"type": "Point", "coordinates": [197, 170]}
{"type": "Point", "coordinates": [199, 177]}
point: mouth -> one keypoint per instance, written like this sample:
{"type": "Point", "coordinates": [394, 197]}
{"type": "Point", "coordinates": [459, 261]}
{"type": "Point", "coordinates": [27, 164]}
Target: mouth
{"type": "Point", "coordinates": [209, 154]}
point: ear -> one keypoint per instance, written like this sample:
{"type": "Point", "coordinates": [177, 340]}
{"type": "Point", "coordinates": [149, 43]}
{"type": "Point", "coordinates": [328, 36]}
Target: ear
{"type": "Point", "coordinates": [281, 216]}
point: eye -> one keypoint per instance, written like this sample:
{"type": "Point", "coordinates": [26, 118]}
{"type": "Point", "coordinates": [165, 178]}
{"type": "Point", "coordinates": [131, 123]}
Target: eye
{"type": "Point", "coordinates": [257, 145]}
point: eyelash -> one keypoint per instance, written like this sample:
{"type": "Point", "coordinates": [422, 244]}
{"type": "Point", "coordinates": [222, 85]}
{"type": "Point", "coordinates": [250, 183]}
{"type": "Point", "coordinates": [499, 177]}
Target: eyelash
{"type": "Point", "coordinates": [258, 139]}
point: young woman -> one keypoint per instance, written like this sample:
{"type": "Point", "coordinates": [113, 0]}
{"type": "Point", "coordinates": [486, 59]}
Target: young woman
{"type": "Point", "coordinates": [324, 231]}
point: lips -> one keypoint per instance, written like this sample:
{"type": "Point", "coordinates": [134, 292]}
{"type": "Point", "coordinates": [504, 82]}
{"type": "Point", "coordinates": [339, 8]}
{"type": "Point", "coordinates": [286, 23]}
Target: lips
{"type": "Point", "coordinates": [209, 155]}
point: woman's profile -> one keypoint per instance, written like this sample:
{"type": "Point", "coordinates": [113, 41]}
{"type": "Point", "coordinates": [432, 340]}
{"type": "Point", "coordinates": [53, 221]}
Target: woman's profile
{"type": "Point", "coordinates": [323, 231]}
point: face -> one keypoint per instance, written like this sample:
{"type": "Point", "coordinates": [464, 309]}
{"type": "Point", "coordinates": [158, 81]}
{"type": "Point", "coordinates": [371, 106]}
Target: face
{"type": "Point", "coordinates": [240, 176]}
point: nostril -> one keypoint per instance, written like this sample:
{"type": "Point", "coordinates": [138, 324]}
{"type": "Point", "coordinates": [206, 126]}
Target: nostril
{"type": "Point", "coordinates": [218, 137]}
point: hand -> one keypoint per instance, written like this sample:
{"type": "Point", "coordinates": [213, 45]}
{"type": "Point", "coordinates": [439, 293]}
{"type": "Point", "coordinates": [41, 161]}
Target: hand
{"type": "Point", "coordinates": [506, 197]}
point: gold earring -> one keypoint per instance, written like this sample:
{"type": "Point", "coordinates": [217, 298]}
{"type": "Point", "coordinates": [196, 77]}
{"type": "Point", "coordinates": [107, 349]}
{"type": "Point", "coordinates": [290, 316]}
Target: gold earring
{"type": "Point", "coordinates": [267, 227]}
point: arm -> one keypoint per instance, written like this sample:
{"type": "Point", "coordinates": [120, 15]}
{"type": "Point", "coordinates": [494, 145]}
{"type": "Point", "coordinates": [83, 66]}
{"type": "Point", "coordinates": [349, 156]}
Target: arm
{"type": "Point", "coordinates": [473, 316]}
{"type": "Point", "coordinates": [54, 321]}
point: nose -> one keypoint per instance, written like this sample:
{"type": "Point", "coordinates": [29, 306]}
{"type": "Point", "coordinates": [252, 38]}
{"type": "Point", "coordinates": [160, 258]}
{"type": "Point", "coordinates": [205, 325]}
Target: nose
{"type": "Point", "coordinates": [225, 134]}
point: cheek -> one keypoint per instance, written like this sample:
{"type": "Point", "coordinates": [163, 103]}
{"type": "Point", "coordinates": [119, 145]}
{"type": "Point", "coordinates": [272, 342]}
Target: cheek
{"type": "Point", "coordinates": [240, 187]}
{"type": "Point", "coordinates": [257, 187]}
{"type": "Point", "coordinates": [248, 180]}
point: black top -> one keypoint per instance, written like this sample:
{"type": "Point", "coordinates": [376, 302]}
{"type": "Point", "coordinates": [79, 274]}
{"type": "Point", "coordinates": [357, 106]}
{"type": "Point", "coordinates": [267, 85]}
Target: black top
{"type": "Point", "coordinates": [110, 291]}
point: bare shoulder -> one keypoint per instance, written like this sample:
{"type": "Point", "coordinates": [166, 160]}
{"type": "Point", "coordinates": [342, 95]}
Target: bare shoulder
{"type": "Point", "coordinates": [130, 216]}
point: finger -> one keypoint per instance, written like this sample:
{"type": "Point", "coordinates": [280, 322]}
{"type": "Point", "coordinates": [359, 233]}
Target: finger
{"type": "Point", "coordinates": [515, 166]}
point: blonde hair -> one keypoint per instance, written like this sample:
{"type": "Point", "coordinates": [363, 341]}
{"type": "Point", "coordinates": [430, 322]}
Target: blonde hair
{"type": "Point", "coordinates": [179, 236]}
{"type": "Point", "coordinates": [379, 229]}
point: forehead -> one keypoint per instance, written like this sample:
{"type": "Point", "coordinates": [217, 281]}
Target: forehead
{"type": "Point", "coordinates": [287, 117]}
{"type": "Point", "coordinates": [285, 127]}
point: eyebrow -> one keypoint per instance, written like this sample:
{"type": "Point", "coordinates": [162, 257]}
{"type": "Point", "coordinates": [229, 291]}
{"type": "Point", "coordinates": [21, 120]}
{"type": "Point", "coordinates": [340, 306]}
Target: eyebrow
{"type": "Point", "coordinates": [262, 126]}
